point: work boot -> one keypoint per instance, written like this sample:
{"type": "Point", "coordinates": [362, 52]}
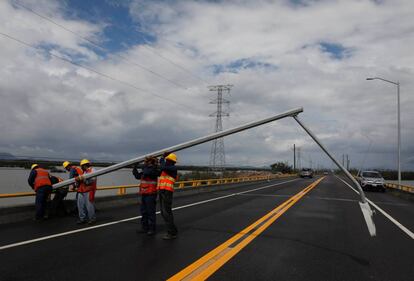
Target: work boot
{"type": "Point", "coordinates": [81, 222]}
{"type": "Point", "coordinates": [169, 236]}
{"type": "Point", "coordinates": [90, 222]}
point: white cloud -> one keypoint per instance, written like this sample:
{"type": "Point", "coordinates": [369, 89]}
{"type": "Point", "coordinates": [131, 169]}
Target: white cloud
{"type": "Point", "coordinates": [50, 104]}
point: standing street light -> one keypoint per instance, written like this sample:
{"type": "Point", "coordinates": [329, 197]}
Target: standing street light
{"type": "Point", "coordinates": [399, 122]}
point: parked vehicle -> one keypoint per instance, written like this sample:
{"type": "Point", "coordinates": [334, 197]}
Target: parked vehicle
{"type": "Point", "coordinates": [306, 173]}
{"type": "Point", "coordinates": [371, 180]}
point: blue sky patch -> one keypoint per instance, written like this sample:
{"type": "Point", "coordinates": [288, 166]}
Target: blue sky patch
{"type": "Point", "coordinates": [240, 64]}
{"type": "Point", "coordinates": [121, 31]}
{"type": "Point", "coordinates": [69, 54]}
{"type": "Point", "coordinates": [336, 51]}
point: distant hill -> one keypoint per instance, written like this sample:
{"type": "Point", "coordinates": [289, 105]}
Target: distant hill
{"type": "Point", "coordinates": [6, 156]}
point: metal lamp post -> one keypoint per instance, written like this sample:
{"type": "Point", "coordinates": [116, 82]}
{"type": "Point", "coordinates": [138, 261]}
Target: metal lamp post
{"type": "Point", "coordinates": [399, 122]}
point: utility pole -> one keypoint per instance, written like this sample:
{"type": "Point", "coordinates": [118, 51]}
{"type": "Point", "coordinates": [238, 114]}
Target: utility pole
{"type": "Point", "coordinates": [294, 157]}
{"type": "Point", "coordinates": [299, 159]}
{"type": "Point", "coordinates": [347, 162]}
{"type": "Point", "coordinates": [217, 155]}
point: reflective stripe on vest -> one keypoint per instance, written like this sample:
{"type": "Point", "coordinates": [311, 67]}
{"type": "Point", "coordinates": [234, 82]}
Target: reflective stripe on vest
{"type": "Point", "coordinates": [42, 178]}
{"type": "Point", "coordinates": [166, 182]}
{"type": "Point", "coordinates": [147, 186]}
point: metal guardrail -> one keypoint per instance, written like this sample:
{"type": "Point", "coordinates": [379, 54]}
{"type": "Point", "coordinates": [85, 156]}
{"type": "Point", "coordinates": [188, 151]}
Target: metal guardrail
{"type": "Point", "coordinates": [406, 188]}
{"type": "Point", "coordinates": [179, 184]}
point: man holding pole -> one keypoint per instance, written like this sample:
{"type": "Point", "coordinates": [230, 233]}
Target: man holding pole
{"type": "Point", "coordinates": [148, 191]}
{"type": "Point", "coordinates": [166, 188]}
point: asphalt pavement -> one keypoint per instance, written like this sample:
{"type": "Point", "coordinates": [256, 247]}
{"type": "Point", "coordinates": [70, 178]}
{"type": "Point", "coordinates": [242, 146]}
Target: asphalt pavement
{"type": "Point", "coordinates": [286, 229]}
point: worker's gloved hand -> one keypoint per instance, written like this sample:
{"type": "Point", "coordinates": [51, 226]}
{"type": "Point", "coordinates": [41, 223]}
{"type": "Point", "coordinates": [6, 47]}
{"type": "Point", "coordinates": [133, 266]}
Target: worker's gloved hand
{"type": "Point", "coordinates": [79, 179]}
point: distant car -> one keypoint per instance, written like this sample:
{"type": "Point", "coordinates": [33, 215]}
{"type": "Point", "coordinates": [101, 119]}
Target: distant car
{"type": "Point", "coordinates": [325, 173]}
{"type": "Point", "coordinates": [371, 180]}
{"type": "Point", "coordinates": [306, 173]}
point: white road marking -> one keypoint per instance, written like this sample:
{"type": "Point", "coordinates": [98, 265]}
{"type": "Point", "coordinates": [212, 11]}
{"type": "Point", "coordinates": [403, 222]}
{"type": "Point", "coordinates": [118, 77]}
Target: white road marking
{"type": "Point", "coordinates": [397, 223]}
{"type": "Point", "coordinates": [129, 219]}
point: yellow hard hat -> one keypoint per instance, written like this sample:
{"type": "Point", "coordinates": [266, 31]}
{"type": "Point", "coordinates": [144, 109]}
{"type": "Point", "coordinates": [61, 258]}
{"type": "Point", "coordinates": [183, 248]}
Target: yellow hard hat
{"type": "Point", "coordinates": [171, 157]}
{"type": "Point", "coordinates": [65, 164]}
{"type": "Point", "coordinates": [34, 166]}
{"type": "Point", "coordinates": [85, 161]}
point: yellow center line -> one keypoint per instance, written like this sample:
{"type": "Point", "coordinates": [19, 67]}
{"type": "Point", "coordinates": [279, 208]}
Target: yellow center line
{"type": "Point", "coordinates": [213, 260]}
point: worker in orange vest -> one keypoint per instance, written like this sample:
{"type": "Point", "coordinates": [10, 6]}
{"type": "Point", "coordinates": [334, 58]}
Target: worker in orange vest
{"type": "Point", "coordinates": [148, 191]}
{"type": "Point", "coordinates": [165, 190]}
{"type": "Point", "coordinates": [39, 180]}
{"type": "Point", "coordinates": [74, 171]}
{"type": "Point", "coordinates": [86, 194]}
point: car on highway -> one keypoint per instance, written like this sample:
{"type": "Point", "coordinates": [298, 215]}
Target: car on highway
{"type": "Point", "coordinates": [371, 180]}
{"type": "Point", "coordinates": [306, 173]}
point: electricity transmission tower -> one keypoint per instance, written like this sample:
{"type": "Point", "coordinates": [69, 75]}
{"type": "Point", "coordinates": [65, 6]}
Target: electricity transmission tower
{"type": "Point", "coordinates": [217, 155]}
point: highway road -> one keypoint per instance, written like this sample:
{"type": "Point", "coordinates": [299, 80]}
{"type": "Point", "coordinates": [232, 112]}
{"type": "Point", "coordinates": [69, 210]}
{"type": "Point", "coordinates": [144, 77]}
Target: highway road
{"type": "Point", "coordinates": [285, 229]}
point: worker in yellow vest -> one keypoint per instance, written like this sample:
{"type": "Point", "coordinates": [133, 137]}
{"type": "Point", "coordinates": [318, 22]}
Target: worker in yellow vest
{"type": "Point", "coordinates": [165, 190]}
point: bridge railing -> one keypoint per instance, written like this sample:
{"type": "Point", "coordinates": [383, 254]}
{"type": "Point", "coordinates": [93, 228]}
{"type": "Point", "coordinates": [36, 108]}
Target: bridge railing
{"type": "Point", "coordinates": [406, 188]}
{"type": "Point", "coordinates": [178, 185]}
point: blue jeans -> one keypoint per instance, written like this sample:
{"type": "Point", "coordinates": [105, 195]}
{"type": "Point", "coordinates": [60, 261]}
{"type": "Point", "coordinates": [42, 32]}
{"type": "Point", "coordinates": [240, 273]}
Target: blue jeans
{"type": "Point", "coordinates": [148, 203]}
{"type": "Point", "coordinates": [42, 194]}
{"type": "Point", "coordinates": [85, 207]}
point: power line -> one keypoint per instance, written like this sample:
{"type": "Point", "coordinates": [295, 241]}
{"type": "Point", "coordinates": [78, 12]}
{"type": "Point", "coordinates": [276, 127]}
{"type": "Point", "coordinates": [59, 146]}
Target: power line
{"type": "Point", "coordinates": [94, 71]}
{"type": "Point", "coordinates": [152, 50]}
{"type": "Point", "coordinates": [100, 47]}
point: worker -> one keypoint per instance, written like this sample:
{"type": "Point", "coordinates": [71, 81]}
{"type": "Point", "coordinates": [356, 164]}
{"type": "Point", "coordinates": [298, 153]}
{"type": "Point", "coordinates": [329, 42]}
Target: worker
{"type": "Point", "coordinates": [58, 205]}
{"type": "Point", "coordinates": [86, 196]}
{"type": "Point", "coordinates": [165, 189]}
{"type": "Point", "coordinates": [39, 180]}
{"type": "Point", "coordinates": [74, 171]}
{"type": "Point", "coordinates": [148, 191]}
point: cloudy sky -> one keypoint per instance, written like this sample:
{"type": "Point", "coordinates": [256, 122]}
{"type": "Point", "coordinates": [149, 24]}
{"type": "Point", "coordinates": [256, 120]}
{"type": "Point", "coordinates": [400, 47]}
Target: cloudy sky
{"type": "Point", "coordinates": [140, 70]}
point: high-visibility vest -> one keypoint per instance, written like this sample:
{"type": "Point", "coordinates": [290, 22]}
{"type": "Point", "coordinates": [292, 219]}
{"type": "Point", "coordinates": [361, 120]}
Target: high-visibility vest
{"type": "Point", "coordinates": [147, 186]}
{"type": "Point", "coordinates": [78, 170]}
{"type": "Point", "coordinates": [83, 187]}
{"type": "Point", "coordinates": [165, 181]}
{"type": "Point", "coordinates": [42, 178]}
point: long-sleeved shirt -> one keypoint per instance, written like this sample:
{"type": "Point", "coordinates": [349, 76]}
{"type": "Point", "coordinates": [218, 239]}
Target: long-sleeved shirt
{"type": "Point", "coordinates": [148, 171]}
{"type": "Point", "coordinates": [168, 167]}
{"type": "Point", "coordinates": [73, 173]}
{"type": "Point", "coordinates": [32, 178]}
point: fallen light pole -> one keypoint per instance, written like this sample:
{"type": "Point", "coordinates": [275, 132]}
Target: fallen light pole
{"type": "Point", "coordinates": [366, 210]}
{"type": "Point", "coordinates": [182, 146]}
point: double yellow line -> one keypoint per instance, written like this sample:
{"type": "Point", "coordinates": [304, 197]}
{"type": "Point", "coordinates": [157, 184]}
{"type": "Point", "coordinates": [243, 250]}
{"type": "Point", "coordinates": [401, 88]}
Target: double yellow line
{"type": "Point", "coordinates": [212, 261]}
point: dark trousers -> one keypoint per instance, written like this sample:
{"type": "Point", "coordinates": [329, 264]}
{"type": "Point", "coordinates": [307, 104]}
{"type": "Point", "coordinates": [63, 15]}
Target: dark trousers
{"type": "Point", "coordinates": [42, 194]}
{"type": "Point", "coordinates": [166, 198]}
{"type": "Point", "coordinates": [148, 203]}
{"type": "Point", "coordinates": [58, 204]}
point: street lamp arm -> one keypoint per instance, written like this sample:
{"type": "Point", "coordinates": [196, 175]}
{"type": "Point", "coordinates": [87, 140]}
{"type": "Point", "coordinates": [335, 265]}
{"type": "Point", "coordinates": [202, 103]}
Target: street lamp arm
{"type": "Point", "coordinates": [385, 80]}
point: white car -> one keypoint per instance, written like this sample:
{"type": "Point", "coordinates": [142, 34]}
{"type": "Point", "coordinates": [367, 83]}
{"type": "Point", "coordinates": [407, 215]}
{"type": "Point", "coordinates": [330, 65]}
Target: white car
{"type": "Point", "coordinates": [371, 180]}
